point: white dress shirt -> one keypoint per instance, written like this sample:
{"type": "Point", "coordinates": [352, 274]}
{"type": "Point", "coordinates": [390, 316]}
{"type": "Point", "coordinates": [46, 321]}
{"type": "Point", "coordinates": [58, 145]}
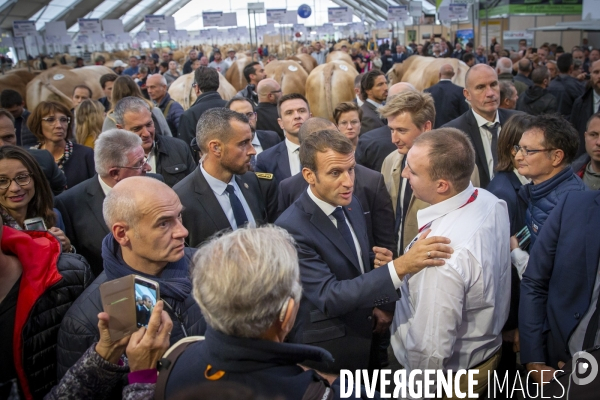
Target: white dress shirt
{"type": "Point", "coordinates": [105, 188]}
{"type": "Point", "coordinates": [451, 317]}
{"type": "Point", "coordinates": [257, 145]}
{"type": "Point", "coordinates": [151, 158]}
{"type": "Point", "coordinates": [596, 101]}
{"type": "Point", "coordinates": [219, 189]}
{"type": "Point", "coordinates": [293, 150]}
{"type": "Point", "coordinates": [486, 138]}
{"type": "Point", "coordinates": [377, 105]}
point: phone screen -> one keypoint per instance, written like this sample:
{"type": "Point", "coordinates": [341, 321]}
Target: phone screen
{"type": "Point", "coordinates": [523, 236]}
{"type": "Point", "coordinates": [145, 300]}
{"type": "Point", "coordinates": [35, 225]}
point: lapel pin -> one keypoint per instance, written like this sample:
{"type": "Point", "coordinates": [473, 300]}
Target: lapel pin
{"type": "Point", "coordinates": [246, 185]}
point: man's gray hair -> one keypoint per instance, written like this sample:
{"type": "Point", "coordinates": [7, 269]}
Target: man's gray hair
{"type": "Point", "coordinates": [162, 79]}
{"type": "Point", "coordinates": [243, 279]}
{"type": "Point", "coordinates": [111, 149]}
{"type": "Point", "coordinates": [129, 104]}
{"type": "Point", "coordinates": [504, 66]}
{"type": "Point", "coordinates": [215, 123]}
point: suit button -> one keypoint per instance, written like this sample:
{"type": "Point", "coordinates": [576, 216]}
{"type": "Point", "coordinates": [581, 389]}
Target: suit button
{"type": "Point", "coordinates": [576, 315]}
{"type": "Point", "coordinates": [369, 317]}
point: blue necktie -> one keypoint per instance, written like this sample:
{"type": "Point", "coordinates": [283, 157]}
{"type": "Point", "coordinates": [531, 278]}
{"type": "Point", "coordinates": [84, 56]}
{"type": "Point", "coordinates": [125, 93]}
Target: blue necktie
{"type": "Point", "coordinates": [238, 209]}
{"type": "Point", "coordinates": [344, 229]}
{"type": "Point", "coordinates": [493, 129]}
{"type": "Point", "coordinates": [402, 205]}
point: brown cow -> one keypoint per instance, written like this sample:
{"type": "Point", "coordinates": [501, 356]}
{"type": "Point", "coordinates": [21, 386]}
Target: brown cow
{"type": "Point", "coordinates": [339, 55]}
{"type": "Point", "coordinates": [289, 74]}
{"type": "Point", "coordinates": [307, 61]}
{"type": "Point", "coordinates": [235, 73]}
{"type": "Point", "coordinates": [17, 79]}
{"type": "Point", "coordinates": [57, 84]}
{"type": "Point", "coordinates": [328, 85]}
{"type": "Point", "coordinates": [182, 92]}
{"type": "Point", "coordinates": [424, 72]}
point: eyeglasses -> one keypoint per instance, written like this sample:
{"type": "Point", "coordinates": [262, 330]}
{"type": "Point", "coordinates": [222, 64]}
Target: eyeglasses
{"type": "Point", "coordinates": [139, 167]}
{"type": "Point", "coordinates": [62, 120]}
{"type": "Point", "coordinates": [250, 115]}
{"type": "Point", "coordinates": [22, 180]}
{"type": "Point", "coordinates": [527, 152]}
{"type": "Point", "coordinates": [354, 122]}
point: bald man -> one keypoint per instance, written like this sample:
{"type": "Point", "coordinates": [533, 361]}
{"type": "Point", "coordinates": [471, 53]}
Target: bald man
{"type": "Point", "coordinates": [374, 146]}
{"type": "Point", "coordinates": [269, 93]}
{"type": "Point", "coordinates": [449, 99]}
{"type": "Point", "coordinates": [146, 238]}
{"type": "Point", "coordinates": [483, 122]}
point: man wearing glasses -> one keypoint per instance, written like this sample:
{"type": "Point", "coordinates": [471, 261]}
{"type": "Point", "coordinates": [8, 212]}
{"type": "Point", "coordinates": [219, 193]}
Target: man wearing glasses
{"type": "Point", "coordinates": [170, 157]}
{"type": "Point", "coordinates": [269, 93]}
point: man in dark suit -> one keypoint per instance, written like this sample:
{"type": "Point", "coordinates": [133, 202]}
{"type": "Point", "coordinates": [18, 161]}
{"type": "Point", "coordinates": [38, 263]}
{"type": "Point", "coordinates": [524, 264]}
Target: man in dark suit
{"type": "Point", "coordinates": [262, 140]}
{"type": "Point", "coordinates": [449, 98]}
{"type": "Point", "coordinates": [346, 296]}
{"type": "Point", "coordinates": [400, 54]}
{"type": "Point", "coordinates": [585, 106]}
{"type": "Point", "coordinates": [564, 87]}
{"type": "Point", "coordinates": [369, 189]}
{"type": "Point", "coordinates": [374, 89]}
{"type": "Point", "coordinates": [283, 159]}
{"type": "Point", "coordinates": [558, 314]}
{"type": "Point", "coordinates": [8, 136]}
{"type": "Point", "coordinates": [221, 194]}
{"type": "Point", "coordinates": [525, 68]}
{"type": "Point", "coordinates": [118, 155]}
{"type": "Point", "coordinates": [269, 93]}
{"type": "Point", "coordinates": [12, 102]}
{"type": "Point", "coordinates": [458, 51]}
{"type": "Point", "coordinates": [374, 146]}
{"type": "Point", "coordinates": [484, 121]}
{"type": "Point", "coordinates": [168, 156]}
{"type": "Point", "coordinates": [206, 82]}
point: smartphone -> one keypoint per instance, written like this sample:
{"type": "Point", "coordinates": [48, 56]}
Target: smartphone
{"type": "Point", "coordinates": [120, 301]}
{"type": "Point", "coordinates": [523, 237]}
{"type": "Point", "coordinates": [534, 50]}
{"type": "Point", "coordinates": [35, 224]}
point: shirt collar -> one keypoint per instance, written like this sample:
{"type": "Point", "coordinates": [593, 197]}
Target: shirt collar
{"type": "Point", "coordinates": [323, 205]}
{"type": "Point", "coordinates": [292, 147]}
{"type": "Point", "coordinates": [521, 178]}
{"type": "Point", "coordinates": [216, 185]}
{"type": "Point", "coordinates": [377, 105]}
{"type": "Point", "coordinates": [596, 99]}
{"type": "Point", "coordinates": [482, 121]}
{"type": "Point", "coordinates": [105, 188]}
{"type": "Point", "coordinates": [435, 211]}
{"type": "Point", "coordinates": [256, 142]}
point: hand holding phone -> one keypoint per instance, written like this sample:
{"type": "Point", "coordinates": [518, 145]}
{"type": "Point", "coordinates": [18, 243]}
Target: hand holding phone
{"type": "Point", "coordinates": [524, 237]}
{"type": "Point", "coordinates": [106, 348]}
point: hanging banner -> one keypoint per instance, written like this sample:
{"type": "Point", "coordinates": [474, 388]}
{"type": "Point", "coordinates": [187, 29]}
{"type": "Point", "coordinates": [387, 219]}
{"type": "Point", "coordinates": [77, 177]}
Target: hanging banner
{"type": "Point", "coordinates": [229, 19]}
{"type": "Point", "coordinates": [214, 18]}
{"type": "Point", "coordinates": [24, 28]}
{"type": "Point", "coordinates": [459, 9]}
{"type": "Point", "coordinates": [155, 23]}
{"type": "Point", "coordinates": [337, 15]}
{"type": "Point", "coordinates": [256, 7]}
{"type": "Point", "coordinates": [277, 16]}
{"type": "Point", "coordinates": [397, 13]}
{"type": "Point", "coordinates": [415, 8]}
{"type": "Point", "coordinates": [89, 26]}
{"type": "Point", "coordinates": [112, 26]}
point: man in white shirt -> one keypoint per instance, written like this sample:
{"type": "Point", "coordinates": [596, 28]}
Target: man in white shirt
{"type": "Point", "coordinates": [319, 54]}
{"type": "Point", "coordinates": [451, 317]}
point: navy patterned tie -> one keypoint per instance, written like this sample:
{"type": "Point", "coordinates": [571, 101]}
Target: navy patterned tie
{"type": "Point", "coordinates": [344, 229]}
{"type": "Point", "coordinates": [238, 209]}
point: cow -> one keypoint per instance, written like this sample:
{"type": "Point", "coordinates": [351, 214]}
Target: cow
{"type": "Point", "coordinates": [306, 61]}
{"type": "Point", "coordinates": [424, 72]}
{"type": "Point", "coordinates": [289, 74]}
{"type": "Point", "coordinates": [181, 90]}
{"type": "Point", "coordinates": [16, 79]}
{"type": "Point", "coordinates": [58, 83]}
{"type": "Point", "coordinates": [328, 85]}
{"type": "Point", "coordinates": [339, 55]}
{"type": "Point", "coordinates": [235, 73]}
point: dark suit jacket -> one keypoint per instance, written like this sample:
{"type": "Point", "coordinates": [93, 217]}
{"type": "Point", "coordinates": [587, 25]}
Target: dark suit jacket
{"type": "Point", "coordinates": [583, 109]}
{"type": "Point", "coordinates": [80, 165]}
{"type": "Point", "coordinates": [266, 119]}
{"type": "Point", "coordinates": [557, 286]}
{"type": "Point", "coordinates": [505, 186]}
{"type": "Point", "coordinates": [468, 124]}
{"type": "Point", "coordinates": [189, 119]}
{"type": "Point", "coordinates": [275, 161]}
{"type": "Point", "coordinates": [566, 89]}
{"type": "Point", "coordinates": [373, 147]}
{"type": "Point", "coordinates": [81, 209]}
{"type": "Point", "coordinates": [56, 179]}
{"type": "Point", "coordinates": [522, 78]}
{"type": "Point", "coordinates": [449, 102]}
{"type": "Point", "coordinates": [338, 300]}
{"type": "Point", "coordinates": [174, 159]}
{"type": "Point", "coordinates": [202, 214]}
{"type": "Point", "coordinates": [369, 189]}
{"type": "Point", "coordinates": [267, 139]}
{"type": "Point", "coordinates": [370, 119]}
{"type": "Point", "coordinates": [398, 58]}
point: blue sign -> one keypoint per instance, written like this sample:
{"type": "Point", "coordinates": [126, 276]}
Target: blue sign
{"type": "Point", "coordinates": [304, 11]}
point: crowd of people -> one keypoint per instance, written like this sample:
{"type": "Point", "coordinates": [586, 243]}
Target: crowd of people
{"type": "Point", "coordinates": [444, 229]}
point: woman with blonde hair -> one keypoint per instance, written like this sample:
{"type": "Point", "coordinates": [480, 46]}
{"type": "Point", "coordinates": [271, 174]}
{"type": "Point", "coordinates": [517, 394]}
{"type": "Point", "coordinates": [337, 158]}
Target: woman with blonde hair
{"type": "Point", "coordinates": [125, 86]}
{"type": "Point", "coordinates": [89, 117]}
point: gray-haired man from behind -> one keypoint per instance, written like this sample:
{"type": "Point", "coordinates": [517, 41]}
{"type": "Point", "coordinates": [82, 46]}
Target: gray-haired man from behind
{"type": "Point", "coordinates": [118, 155]}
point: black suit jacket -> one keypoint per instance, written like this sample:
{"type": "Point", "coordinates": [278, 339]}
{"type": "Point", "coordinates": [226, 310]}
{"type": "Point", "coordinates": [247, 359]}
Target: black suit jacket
{"type": "Point", "coordinates": [80, 165]}
{"type": "Point", "coordinates": [174, 159]}
{"type": "Point", "coordinates": [369, 189]}
{"type": "Point", "coordinates": [56, 179]}
{"type": "Point", "coordinates": [202, 214]}
{"type": "Point", "coordinates": [338, 300]}
{"type": "Point", "coordinates": [275, 161]}
{"type": "Point", "coordinates": [266, 119]}
{"type": "Point", "coordinates": [373, 147]}
{"type": "Point", "coordinates": [370, 119]}
{"type": "Point", "coordinates": [449, 102]}
{"type": "Point", "coordinates": [468, 124]}
{"type": "Point", "coordinates": [267, 139]}
{"type": "Point", "coordinates": [189, 119]}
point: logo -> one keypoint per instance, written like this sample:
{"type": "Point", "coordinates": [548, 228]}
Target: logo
{"type": "Point", "coordinates": [584, 365]}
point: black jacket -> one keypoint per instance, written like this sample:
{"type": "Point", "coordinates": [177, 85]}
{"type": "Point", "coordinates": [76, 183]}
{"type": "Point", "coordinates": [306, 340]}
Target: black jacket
{"type": "Point", "coordinates": [370, 118]}
{"type": "Point", "coordinates": [49, 284]}
{"type": "Point", "coordinates": [189, 119]}
{"type": "Point", "coordinates": [536, 101]}
{"type": "Point", "coordinates": [266, 118]}
{"type": "Point", "coordinates": [373, 147]}
{"type": "Point", "coordinates": [267, 139]}
{"type": "Point", "coordinates": [249, 92]}
{"type": "Point", "coordinates": [80, 165]}
{"type": "Point", "coordinates": [449, 101]}
{"type": "Point", "coordinates": [566, 89]}
{"type": "Point", "coordinates": [56, 179]}
{"type": "Point", "coordinates": [174, 159]}
{"type": "Point", "coordinates": [105, 102]}
{"type": "Point", "coordinates": [583, 109]}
